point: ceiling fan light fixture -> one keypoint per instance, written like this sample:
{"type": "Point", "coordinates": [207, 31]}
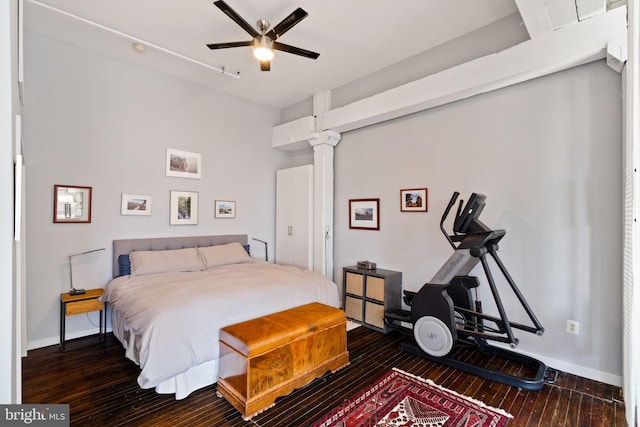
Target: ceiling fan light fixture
{"type": "Point", "coordinates": [264, 39]}
{"type": "Point", "coordinates": [263, 48]}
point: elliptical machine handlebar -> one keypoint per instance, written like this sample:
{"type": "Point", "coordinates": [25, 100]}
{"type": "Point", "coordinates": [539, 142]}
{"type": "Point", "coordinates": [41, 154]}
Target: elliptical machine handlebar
{"type": "Point", "coordinates": [446, 214]}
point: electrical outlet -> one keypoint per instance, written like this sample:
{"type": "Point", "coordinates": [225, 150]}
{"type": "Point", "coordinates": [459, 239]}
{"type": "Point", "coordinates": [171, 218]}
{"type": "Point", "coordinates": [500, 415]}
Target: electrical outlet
{"type": "Point", "coordinates": [573, 327]}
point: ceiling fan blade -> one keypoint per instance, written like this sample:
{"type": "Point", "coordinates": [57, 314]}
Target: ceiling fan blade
{"type": "Point", "coordinates": [295, 50]}
{"type": "Point", "coordinates": [287, 23]}
{"type": "Point", "coordinates": [236, 18]}
{"type": "Point", "coordinates": [265, 65]}
{"type": "Point", "coordinates": [229, 44]}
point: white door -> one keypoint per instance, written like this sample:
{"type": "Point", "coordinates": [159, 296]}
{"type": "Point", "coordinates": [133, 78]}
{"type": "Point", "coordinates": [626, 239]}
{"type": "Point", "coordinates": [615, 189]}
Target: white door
{"type": "Point", "coordinates": [294, 216]}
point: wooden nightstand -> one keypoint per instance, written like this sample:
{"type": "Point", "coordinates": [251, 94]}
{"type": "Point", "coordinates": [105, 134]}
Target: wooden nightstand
{"type": "Point", "coordinates": [78, 304]}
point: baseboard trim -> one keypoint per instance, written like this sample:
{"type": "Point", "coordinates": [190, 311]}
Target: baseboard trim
{"type": "Point", "coordinates": [46, 342]}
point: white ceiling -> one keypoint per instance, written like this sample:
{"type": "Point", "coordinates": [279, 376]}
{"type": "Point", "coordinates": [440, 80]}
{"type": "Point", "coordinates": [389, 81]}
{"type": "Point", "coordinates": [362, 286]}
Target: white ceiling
{"type": "Point", "coordinates": [354, 37]}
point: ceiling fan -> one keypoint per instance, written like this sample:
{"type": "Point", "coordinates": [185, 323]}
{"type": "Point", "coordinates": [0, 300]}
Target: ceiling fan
{"type": "Point", "coordinates": [264, 40]}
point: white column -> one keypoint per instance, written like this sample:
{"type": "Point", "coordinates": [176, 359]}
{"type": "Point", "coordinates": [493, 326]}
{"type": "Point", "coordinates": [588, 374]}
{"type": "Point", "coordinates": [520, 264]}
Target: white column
{"type": "Point", "coordinates": [631, 248]}
{"type": "Point", "coordinates": [323, 144]}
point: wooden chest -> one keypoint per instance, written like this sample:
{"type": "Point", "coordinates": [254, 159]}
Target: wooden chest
{"type": "Point", "coordinates": [268, 357]}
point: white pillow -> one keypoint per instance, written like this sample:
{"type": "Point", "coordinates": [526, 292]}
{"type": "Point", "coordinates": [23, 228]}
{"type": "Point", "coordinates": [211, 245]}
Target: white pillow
{"type": "Point", "coordinates": [230, 253]}
{"type": "Point", "coordinates": [173, 260]}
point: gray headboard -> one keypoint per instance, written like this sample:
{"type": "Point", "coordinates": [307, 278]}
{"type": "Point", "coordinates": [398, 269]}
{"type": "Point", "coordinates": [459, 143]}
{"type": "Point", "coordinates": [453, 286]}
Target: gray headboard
{"type": "Point", "coordinates": [125, 246]}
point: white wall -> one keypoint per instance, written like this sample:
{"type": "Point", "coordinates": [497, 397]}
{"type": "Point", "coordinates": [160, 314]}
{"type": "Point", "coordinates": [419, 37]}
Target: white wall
{"type": "Point", "coordinates": [547, 153]}
{"type": "Point", "coordinates": [91, 120]}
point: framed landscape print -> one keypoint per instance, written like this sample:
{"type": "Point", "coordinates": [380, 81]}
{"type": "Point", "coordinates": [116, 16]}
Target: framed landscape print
{"type": "Point", "coordinates": [225, 209]}
{"type": "Point", "coordinates": [184, 208]}
{"type": "Point", "coordinates": [135, 204]}
{"type": "Point", "coordinates": [71, 204]}
{"type": "Point", "coordinates": [413, 200]}
{"type": "Point", "coordinates": [183, 164]}
{"type": "Point", "coordinates": [364, 214]}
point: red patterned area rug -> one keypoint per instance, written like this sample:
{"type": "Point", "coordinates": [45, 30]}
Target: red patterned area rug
{"type": "Point", "coordinates": [402, 399]}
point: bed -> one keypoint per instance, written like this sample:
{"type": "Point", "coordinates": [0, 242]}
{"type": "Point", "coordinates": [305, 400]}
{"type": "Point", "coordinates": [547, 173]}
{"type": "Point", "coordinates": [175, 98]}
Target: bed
{"type": "Point", "coordinates": [171, 296]}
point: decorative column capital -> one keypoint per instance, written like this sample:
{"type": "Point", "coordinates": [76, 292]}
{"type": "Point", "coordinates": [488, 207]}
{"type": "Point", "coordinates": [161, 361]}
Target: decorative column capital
{"type": "Point", "coordinates": [326, 137]}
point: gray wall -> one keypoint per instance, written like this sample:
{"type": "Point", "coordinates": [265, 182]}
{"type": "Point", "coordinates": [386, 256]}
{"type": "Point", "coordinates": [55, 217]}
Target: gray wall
{"type": "Point", "coordinates": [547, 153]}
{"type": "Point", "coordinates": [91, 120]}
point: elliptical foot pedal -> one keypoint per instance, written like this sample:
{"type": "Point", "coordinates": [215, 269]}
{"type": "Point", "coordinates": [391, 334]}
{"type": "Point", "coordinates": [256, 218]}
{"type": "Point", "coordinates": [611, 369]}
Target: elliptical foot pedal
{"type": "Point", "coordinates": [394, 318]}
{"type": "Point", "coordinates": [398, 315]}
{"type": "Point", "coordinates": [550, 376]}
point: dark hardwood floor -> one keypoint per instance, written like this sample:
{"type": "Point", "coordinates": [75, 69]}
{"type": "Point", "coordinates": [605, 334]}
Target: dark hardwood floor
{"type": "Point", "coordinates": [100, 386]}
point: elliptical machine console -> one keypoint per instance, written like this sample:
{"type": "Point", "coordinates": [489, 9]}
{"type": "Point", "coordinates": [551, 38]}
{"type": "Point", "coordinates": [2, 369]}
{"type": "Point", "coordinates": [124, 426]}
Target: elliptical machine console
{"type": "Point", "coordinates": [444, 313]}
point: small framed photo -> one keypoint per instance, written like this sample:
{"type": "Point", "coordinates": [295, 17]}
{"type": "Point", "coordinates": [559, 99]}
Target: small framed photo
{"type": "Point", "coordinates": [225, 209]}
{"type": "Point", "coordinates": [183, 164]}
{"type": "Point", "coordinates": [135, 204]}
{"type": "Point", "coordinates": [364, 214]}
{"type": "Point", "coordinates": [184, 208]}
{"type": "Point", "coordinates": [71, 204]}
{"type": "Point", "coordinates": [413, 200]}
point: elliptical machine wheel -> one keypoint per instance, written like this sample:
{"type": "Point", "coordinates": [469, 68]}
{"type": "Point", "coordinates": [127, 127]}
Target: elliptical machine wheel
{"type": "Point", "coordinates": [433, 336]}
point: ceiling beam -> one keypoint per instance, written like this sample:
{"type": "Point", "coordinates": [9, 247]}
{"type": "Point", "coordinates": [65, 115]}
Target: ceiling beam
{"type": "Point", "coordinates": [590, 8]}
{"type": "Point", "coordinates": [555, 51]}
{"type": "Point", "coordinates": [562, 13]}
{"type": "Point", "coordinates": [617, 54]}
{"type": "Point", "coordinates": [542, 16]}
{"type": "Point", "coordinates": [612, 4]}
{"type": "Point", "coordinates": [535, 16]}
{"type": "Point", "coordinates": [558, 50]}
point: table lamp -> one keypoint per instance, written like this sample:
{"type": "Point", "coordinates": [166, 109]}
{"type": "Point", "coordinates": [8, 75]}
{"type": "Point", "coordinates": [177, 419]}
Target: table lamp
{"type": "Point", "coordinates": [74, 291]}
{"type": "Point", "coordinates": [266, 248]}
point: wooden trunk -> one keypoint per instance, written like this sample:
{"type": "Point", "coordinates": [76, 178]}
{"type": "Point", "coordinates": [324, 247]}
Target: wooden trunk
{"type": "Point", "coordinates": [268, 357]}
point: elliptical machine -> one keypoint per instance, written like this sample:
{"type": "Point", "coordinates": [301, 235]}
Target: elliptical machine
{"type": "Point", "coordinates": [444, 314]}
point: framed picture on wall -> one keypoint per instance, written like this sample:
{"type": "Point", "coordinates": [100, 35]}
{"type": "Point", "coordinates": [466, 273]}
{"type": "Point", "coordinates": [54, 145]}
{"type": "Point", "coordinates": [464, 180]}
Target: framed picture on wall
{"type": "Point", "coordinates": [183, 164]}
{"type": "Point", "coordinates": [225, 209]}
{"type": "Point", "coordinates": [71, 204]}
{"type": "Point", "coordinates": [413, 200]}
{"type": "Point", "coordinates": [364, 214]}
{"type": "Point", "coordinates": [135, 204]}
{"type": "Point", "coordinates": [184, 208]}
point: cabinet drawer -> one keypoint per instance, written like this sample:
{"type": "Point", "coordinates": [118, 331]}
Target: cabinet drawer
{"type": "Point", "coordinates": [353, 308]}
{"type": "Point", "coordinates": [86, 306]}
{"type": "Point", "coordinates": [374, 314]}
{"type": "Point", "coordinates": [354, 283]}
{"type": "Point", "coordinates": [375, 288]}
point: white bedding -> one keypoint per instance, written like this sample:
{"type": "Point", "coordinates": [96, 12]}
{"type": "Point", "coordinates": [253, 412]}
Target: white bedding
{"type": "Point", "coordinates": [169, 323]}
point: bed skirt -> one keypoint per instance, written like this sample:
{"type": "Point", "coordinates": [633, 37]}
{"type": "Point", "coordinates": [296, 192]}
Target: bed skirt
{"type": "Point", "coordinates": [181, 385]}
